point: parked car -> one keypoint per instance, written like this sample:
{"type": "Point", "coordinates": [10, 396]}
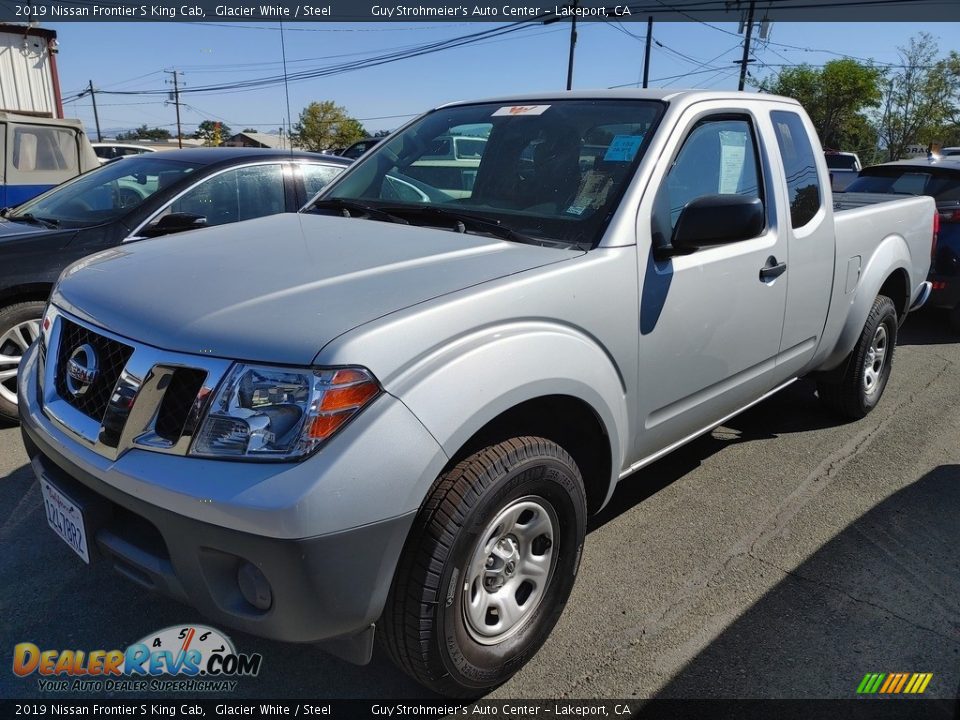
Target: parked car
{"type": "Point", "coordinates": [950, 151]}
{"type": "Point", "coordinates": [359, 148]}
{"type": "Point", "coordinates": [392, 419]}
{"type": "Point", "coordinates": [138, 197]}
{"type": "Point", "coordinates": [843, 167]}
{"type": "Point", "coordinates": [37, 153]}
{"type": "Point", "coordinates": [107, 151]}
{"type": "Point", "coordinates": [940, 179]}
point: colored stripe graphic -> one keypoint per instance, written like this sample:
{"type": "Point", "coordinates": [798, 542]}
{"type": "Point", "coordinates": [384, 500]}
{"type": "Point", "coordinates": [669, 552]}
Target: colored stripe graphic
{"type": "Point", "coordinates": [894, 683]}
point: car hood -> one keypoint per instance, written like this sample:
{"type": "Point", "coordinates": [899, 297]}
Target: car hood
{"type": "Point", "coordinates": [278, 289]}
{"type": "Point", "coordinates": [10, 230]}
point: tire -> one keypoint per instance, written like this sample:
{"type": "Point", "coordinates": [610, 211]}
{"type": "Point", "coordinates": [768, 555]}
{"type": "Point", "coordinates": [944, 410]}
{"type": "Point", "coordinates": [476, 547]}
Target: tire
{"type": "Point", "coordinates": [519, 501]}
{"type": "Point", "coordinates": [856, 387]}
{"type": "Point", "coordinates": [19, 326]}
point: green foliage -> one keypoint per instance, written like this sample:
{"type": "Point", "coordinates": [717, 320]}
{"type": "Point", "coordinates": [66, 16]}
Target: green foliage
{"type": "Point", "coordinates": [145, 133]}
{"type": "Point", "coordinates": [324, 125]}
{"type": "Point", "coordinates": [835, 96]}
{"type": "Point", "coordinates": [209, 131]}
{"type": "Point", "coordinates": [922, 100]}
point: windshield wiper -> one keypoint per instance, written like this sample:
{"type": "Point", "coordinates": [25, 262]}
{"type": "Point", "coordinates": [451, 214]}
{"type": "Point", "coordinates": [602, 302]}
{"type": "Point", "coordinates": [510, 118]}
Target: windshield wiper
{"type": "Point", "coordinates": [34, 220]}
{"type": "Point", "coordinates": [350, 208]}
{"type": "Point", "coordinates": [463, 222]}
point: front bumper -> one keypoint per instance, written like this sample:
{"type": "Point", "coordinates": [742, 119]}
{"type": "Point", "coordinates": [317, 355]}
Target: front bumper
{"type": "Point", "coordinates": [323, 585]}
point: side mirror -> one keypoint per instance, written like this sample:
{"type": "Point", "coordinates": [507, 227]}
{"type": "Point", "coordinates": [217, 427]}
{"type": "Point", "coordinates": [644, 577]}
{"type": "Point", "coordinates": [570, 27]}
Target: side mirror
{"type": "Point", "coordinates": [717, 220]}
{"type": "Point", "coordinates": [175, 222]}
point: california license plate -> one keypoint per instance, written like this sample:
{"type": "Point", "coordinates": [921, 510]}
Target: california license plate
{"type": "Point", "coordinates": [65, 518]}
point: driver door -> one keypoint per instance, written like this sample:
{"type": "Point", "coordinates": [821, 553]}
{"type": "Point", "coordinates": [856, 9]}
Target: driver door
{"type": "Point", "coordinates": [710, 324]}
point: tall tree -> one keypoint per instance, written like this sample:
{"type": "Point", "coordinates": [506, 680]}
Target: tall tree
{"type": "Point", "coordinates": [835, 96]}
{"type": "Point", "coordinates": [324, 125]}
{"type": "Point", "coordinates": [922, 99]}
{"type": "Point", "coordinates": [212, 132]}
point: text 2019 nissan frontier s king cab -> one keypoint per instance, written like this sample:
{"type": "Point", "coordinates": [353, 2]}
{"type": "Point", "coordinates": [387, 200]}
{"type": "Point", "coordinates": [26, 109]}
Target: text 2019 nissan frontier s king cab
{"type": "Point", "coordinates": [392, 413]}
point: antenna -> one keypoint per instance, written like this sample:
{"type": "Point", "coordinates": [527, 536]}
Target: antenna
{"type": "Point", "coordinates": [286, 84]}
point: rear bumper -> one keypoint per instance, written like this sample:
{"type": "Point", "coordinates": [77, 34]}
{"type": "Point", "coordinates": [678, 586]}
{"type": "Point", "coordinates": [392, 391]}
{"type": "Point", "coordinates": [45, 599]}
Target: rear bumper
{"type": "Point", "coordinates": [945, 292]}
{"type": "Point", "coordinates": [921, 297]}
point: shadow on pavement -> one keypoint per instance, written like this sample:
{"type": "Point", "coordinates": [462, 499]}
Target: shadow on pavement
{"type": "Point", "coordinates": [881, 596]}
{"type": "Point", "coordinates": [929, 326]}
{"type": "Point", "coordinates": [794, 409]}
{"type": "Point", "coordinates": [49, 597]}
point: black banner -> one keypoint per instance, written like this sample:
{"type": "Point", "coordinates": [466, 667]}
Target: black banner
{"type": "Point", "coordinates": [47, 11]}
{"type": "Point", "coordinates": [858, 709]}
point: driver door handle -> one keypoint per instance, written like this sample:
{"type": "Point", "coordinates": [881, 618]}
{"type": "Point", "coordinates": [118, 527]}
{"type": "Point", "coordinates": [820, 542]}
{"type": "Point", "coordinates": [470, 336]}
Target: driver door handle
{"type": "Point", "coordinates": [772, 270]}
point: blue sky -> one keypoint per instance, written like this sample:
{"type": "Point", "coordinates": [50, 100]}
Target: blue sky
{"type": "Point", "coordinates": [131, 56]}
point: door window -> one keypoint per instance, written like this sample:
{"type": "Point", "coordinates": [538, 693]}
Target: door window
{"type": "Point", "coordinates": [39, 148]}
{"type": "Point", "coordinates": [316, 176]}
{"type": "Point", "coordinates": [241, 194]}
{"type": "Point", "coordinates": [718, 157]}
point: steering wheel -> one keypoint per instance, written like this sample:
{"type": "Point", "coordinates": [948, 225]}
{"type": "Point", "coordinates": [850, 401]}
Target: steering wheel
{"type": "Point", "coordinates": [125, 197]}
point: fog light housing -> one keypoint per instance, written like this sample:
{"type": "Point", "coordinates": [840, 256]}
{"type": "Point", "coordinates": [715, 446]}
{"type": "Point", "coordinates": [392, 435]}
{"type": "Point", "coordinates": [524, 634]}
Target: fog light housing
{"type": "Point", "coordinates": [254, 586]}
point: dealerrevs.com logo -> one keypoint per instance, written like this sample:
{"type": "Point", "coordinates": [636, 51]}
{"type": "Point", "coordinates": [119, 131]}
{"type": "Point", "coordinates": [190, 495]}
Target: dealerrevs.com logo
{"type": "Point", "coordinates": [189, 658]}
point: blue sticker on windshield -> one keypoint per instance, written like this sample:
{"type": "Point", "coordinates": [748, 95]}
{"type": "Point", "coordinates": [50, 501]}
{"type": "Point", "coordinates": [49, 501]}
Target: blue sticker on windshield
{"type": "Point", "coordinates": [623, 148]}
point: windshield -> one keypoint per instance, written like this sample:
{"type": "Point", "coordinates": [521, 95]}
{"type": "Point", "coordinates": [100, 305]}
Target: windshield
{"type": "Point", "coordinates": [841, 162]}
{"type": "Point", "coordinates": [939, 183]}
{"type": "Point", "coordinates": [552, 172]}
{"type": "Point", "coordinates": [105, 194]}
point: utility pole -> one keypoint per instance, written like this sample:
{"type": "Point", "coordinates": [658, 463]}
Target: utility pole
{"type": "Point", "coordinates": [176, 101]}
{"type": "Point", "coordinates": [96, 117]}
{"type": "Point", "coordinates": [646, 52]}
{"type": "Point", "coordinates": [746, 48]}
{"type": "Point", "coordinates": [573, 37]}
{"type": "Point", "coordinates": [573, 43]}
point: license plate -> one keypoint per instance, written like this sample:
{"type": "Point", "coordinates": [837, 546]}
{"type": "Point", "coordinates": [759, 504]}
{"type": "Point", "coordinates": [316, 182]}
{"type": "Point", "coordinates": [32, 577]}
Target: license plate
{"type": "Point", "coordinates": [65, 518]}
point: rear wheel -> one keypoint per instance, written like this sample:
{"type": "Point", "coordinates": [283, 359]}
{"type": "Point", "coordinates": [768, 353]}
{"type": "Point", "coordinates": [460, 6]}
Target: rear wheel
{"type": "Point", "coordinates": [488, 568]}
{"type": "Point", "coordinates": [856, 387]}
{"type": "Point", "coordinates": [19, 327]}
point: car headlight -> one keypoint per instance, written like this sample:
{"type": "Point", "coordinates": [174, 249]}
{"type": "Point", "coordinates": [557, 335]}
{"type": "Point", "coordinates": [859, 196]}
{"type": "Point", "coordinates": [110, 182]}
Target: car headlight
{"type": "Point", "coordinates": [278, 413]}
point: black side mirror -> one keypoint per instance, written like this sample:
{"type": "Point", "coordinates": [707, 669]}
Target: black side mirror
{"type": "Point", "coordinates": [175, 222]}
{"type": "Point", "coordinates": [717, 220]}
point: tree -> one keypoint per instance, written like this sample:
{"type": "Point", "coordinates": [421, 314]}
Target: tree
{"type": "Point", "coordinates": [922, 100]}
{"type": "Point", "coordinates": [381, 133]}
{"type": "Point", "coordinates": [324, 125]}
{"type": "Point", "coordinates": [145, 133]}
{"type": "Point", "coordinates": [835, 97]}
{"type": "Point", "coordinates": [212, 132]}
{"type": "Point", "coordinates": [249, 130]}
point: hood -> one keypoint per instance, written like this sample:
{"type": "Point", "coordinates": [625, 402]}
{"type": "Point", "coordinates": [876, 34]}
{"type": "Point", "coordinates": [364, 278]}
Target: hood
{"type": "Point", "coordinates": [19, 230]}
{"type": "Point", "coordinates": [278, 289]}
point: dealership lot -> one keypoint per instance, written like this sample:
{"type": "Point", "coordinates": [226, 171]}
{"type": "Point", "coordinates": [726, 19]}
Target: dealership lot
{"type": "Point", "coordinates": [783, 555]}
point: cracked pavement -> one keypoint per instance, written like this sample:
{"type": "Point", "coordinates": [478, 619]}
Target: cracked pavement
{"type": "Point", "coordinates": [783, 555]}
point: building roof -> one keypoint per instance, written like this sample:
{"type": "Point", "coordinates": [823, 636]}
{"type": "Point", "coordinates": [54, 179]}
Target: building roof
{"type": "Point", "coordinates": [265, 139]}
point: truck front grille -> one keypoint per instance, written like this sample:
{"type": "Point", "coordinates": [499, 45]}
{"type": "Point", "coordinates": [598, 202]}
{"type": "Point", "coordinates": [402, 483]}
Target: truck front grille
{"type": "Point", "coordinates": [111, 358]}
{"type": "Point", "coordinates": [122, 394]}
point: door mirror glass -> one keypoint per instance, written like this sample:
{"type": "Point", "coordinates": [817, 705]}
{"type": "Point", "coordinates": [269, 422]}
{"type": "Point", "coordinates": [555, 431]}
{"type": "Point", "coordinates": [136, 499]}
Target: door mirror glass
{"type": "Point", "coordinates": [175, 222]}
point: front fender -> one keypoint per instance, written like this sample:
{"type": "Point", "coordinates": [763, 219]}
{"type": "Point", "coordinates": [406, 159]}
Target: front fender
{"type": "Point", "coordinates": [891, 256]}
{"type": "Point", "coordinates": [457, 389]}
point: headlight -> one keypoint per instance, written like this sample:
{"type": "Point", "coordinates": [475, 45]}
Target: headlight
{"type": "Point", "coordinates": [281, 413]}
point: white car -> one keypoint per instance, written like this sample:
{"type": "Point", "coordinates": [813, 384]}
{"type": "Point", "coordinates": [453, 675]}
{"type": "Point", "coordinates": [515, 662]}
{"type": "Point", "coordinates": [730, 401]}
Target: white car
{"type": "Point", "coordinates": [107, 151]}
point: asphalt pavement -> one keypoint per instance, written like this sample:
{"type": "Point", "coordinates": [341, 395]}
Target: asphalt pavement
{"type": "Point", "coordinates": [785, 555]}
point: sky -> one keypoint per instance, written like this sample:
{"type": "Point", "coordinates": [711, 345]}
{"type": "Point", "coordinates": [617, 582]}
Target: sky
{"type": "Point", "coordinates": [133, 56]}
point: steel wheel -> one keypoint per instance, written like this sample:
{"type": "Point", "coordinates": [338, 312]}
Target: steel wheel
{"type": "Point", "coordinates": [510, 570]}
{"type": "Point", "coordinates": [13, 344]}
{"type": "Point", "coordinates": [874, 360]}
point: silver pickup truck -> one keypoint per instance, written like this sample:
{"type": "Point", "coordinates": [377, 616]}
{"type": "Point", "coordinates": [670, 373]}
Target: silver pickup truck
{"type": "Point", "coordinates": [392, 413]}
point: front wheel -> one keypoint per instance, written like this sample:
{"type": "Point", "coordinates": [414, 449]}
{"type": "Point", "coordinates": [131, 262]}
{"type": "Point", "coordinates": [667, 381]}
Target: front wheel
{"type": "Point", "coordinates": [855, 389]}
{"type": "Point", "coordinates": [19, 327]}
{"type": "Point", "coordinates": [488, 568]}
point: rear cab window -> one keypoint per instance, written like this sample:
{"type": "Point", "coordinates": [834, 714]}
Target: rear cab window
{"type": "Point", "coordinates": [799, 165]}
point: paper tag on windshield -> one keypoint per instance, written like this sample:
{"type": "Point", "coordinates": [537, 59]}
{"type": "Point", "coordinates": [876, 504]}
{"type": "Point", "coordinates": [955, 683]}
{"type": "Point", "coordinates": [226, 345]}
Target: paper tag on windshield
{"type": "Point", "coordinates": [522, 110]}
{"type": "Point", "coordinates": [623, 148]}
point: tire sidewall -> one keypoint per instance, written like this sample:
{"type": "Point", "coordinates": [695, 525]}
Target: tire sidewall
{"type": "Point", "coordinates": [10, 316]}
{"type": "Point", "coordinates": [887, 316]}
{"type": "Point", "coordinates": [470, 663]}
